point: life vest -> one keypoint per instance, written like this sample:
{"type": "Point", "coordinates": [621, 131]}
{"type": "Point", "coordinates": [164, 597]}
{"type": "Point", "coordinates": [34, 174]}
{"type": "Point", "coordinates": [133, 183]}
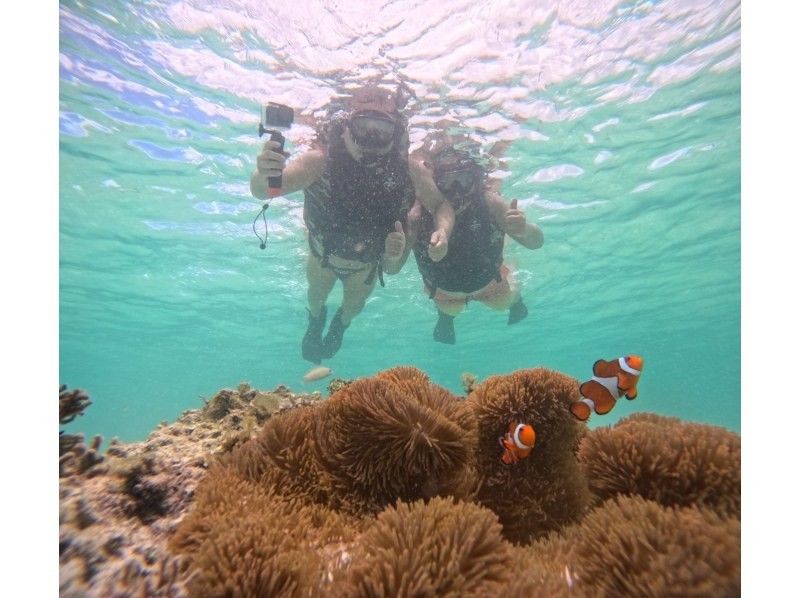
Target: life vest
{"type": "Point", "coordinates": [474, 251]}
{"type": "Point", "coordinates": [351, 208]}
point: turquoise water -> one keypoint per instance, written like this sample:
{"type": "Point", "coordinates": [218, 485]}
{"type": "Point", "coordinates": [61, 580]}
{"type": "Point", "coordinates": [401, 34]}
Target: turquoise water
{"type": "Point", "coordinates": [624, 123]}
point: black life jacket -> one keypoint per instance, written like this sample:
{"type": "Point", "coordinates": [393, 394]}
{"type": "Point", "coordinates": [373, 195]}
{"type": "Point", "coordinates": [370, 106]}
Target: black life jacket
{"type": "Point", "coordinates": [351, 208]}
{"type": "Point", "coordinates": [474, 253]}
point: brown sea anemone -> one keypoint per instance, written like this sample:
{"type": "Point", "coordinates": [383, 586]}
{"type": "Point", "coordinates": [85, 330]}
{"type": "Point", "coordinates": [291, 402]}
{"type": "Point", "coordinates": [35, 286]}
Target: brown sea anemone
{"type": "Point", "coordinates": [438, 548]}
{"type": "Point", "coordinates": [250, 556]}
{"type": "Point", "coordinates": [666, 460]}
{"type": "Point", "coordinates": [629, 546]}
{"type": "Point", "coordinates": [221, 495]}
{"type": "Point", "coordinates": [394, 436]}
{"type": "Point", "coordinates": [286, 512]}
{"type": "Point", "coordinates": [245, 539]}
{"type": "Point", "coordinates": [545, 490]}
{"type": "Point", "coordinates": [282, 456]}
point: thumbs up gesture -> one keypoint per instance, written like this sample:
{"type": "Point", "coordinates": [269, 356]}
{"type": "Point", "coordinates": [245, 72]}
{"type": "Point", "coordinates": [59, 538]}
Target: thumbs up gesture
{"type": "Point", "coordinates": [395, 243]}
{"type": "Point", "coordinates": [515, 219]}
{"type": "Point", "coordinates": [437, 246]}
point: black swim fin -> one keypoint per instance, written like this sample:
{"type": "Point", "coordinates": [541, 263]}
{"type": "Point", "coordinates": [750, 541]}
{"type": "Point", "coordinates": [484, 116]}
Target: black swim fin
{"type": "Point", "coordinates": [518, 311]}
{"type": "Point", "coordinates": [312, 340]}
{"type": "Point", "coordinates": [445, 330]}
{"type": "Point", "coordinates": [333, 340]}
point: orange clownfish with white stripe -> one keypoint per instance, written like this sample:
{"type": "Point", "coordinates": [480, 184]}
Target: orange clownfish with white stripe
{"type": "Point", "coordinates": [611, 380]}
{"type": "Point", "coordinates": [517, 442]}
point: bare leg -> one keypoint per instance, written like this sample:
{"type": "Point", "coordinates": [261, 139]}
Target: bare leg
{"type": "Point", "coordinates": [450, 307]}
{"type": "Point", "coordinates": [504, 295]}
{"type": "Point", "coordinates": [320, 284]}
{"type": "Point", "coordinates": [512, 302]}
{"type": "Point", "coordinates": [501, 302]}
{"type": "Point", "coordinates": [355, 294]}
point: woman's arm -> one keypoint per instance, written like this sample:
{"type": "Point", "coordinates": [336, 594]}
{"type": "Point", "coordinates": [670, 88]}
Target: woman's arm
{"type": "Point", "coordinates": [299, 174]}
{"type": "Point", "coordinates": [433, 200]}
{"type": "Point", "coordinates": [512, 221]}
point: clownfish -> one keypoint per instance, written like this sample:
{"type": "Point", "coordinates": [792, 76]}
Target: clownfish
{"type": "Point", "coordinates": [611, 380]}
{"type": "Point", "coordinates": [517, 442]}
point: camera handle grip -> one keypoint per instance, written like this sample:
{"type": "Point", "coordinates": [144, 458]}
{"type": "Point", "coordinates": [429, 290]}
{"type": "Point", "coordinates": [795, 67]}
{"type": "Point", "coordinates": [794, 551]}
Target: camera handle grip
{"type": "Point", "coordinates": [276, 182]}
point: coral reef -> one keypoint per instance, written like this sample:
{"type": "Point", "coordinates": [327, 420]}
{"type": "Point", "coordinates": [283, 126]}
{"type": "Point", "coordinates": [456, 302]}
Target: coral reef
{"type": "Point", "coordinates": [317, 474]}
{"type": "Point", "coordinates": [75, 456]}
{"type": "Point", "coordinates": [337, 384]}
{"type": "Point", "coordinates": [546, 490]}
{"type": "Point", "coordinates": [663, 459]}
{"type": "Point", "coordinates": [376, 440]}
{"type": "Point", "coordinates": [71, 449]}
{"type": "Point", "coordinates": [468, 381]}
{"type": "Point", "coordinates": [394, 486]}
{"type": "Point", "coordinates": [71, 403]}
{"type": "Point", "coordinates": [117, 510]}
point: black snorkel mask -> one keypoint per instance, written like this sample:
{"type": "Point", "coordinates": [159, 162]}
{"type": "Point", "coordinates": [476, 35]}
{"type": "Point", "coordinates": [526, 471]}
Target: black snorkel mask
{"type": "Point", "coordinates": [374, 122]}
{"type": "Point", "coordinates": [372, 131]}
{"type": "Point", "coordinates": [457, 176]}
{"type": "Point", "coordinates": [456, 183]}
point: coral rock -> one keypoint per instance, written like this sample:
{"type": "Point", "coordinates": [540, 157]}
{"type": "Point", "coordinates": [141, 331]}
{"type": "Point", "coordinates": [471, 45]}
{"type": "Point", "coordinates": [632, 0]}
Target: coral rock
{"type": "Point", "coordinates": [118, 509]}
{"type": "Point", "coordinates": [71, 403]}
{"type": "Point", "coordinates": [220, 405]}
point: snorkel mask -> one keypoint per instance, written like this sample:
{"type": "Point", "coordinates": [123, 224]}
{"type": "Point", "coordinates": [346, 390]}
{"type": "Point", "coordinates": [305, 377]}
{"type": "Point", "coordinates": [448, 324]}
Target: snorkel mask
{"type": "Point", "coordinates": [372, 130]}
{"type": "Point", "coordinates": [373, 119]}
{"type": "Point", "coordinates": [456, 175]}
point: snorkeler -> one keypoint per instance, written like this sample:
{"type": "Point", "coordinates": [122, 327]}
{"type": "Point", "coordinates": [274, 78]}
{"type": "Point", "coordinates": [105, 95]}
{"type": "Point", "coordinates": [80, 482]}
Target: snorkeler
{"type": "Point", "coordinates": [473, 268]}
{"type": "Point", "coordinates": [359, 185]}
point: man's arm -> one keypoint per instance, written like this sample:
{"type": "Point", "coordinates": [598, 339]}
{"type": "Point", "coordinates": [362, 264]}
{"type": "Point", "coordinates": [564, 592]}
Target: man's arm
{"type": "Point", "coordinates": [433, 200]}
{"type": "Point", "coordinates": [400, 243]}
{"type": "Point", "coordinates": [302, 171]}
{"type": "Point", "coordinates": [396, 250]}
{"type": "Point", "coordinates": [512, 222]}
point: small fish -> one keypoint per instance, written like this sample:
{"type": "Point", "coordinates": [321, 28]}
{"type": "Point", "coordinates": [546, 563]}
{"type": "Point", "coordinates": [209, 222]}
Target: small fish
{"type": "Point", "coordinates": [517, 443]}
{"type": "Point", "coordinates": [611, 380]}
{"type": "Point", "coordinates": [317, 373]}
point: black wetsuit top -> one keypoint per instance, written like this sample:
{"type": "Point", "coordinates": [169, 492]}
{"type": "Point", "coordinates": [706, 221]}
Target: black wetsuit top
{"type": "Point", "coordinates": [351, 208]}
{"type": "Point", "coordinates": [474, 253]}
